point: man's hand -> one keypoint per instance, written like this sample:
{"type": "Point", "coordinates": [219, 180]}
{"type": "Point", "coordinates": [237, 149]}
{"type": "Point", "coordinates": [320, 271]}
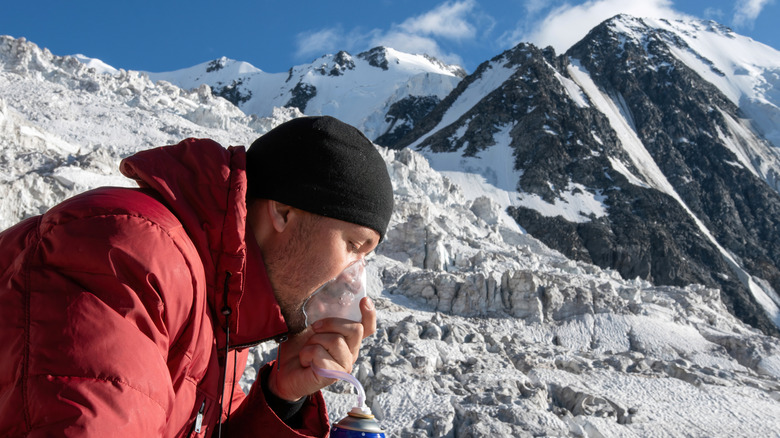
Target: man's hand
{"type": "Point", "coordinates": [331, 343]}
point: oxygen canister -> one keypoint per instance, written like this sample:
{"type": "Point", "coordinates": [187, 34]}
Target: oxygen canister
{"type": "Point", "coordinates": [357, 424]}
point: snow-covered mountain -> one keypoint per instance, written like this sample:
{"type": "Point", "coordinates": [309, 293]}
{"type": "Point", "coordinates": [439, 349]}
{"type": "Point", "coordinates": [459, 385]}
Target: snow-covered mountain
{"type": "Point", "coordinates": [365, 89]}
{"type": "Point", "coordinates": [647, 148]}
{"type": "Point", "coordinates": [483, 329]}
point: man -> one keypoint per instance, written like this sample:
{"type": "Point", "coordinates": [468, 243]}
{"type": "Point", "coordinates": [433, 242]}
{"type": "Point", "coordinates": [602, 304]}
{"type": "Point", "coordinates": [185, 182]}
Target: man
{"type": "Point", "coordinates": [127, 312]}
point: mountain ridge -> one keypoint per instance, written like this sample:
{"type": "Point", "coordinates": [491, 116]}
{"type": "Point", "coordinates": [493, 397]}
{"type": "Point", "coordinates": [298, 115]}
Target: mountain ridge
{"type": "Point", "coordinates": [376, 79]}
{"type": "Point", "coordinates": [589, 110]}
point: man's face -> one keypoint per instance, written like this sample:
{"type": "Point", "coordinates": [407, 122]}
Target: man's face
{"type": "Point", "coordinates": [314, 250]}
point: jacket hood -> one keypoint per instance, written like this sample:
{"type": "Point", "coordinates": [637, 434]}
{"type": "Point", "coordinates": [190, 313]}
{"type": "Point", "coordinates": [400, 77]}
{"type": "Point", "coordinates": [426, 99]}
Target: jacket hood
{"type": "Point", "coordinates": [204, 185]}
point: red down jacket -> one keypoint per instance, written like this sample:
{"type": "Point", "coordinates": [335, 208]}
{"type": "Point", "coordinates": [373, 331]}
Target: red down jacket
{"type": "Point", "coordinates": [110, 302]}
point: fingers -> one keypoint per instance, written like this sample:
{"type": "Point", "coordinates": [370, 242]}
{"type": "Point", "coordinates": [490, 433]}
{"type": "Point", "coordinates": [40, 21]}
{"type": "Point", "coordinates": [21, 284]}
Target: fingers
{"type": "Point", "coordinates": [339, 339]}
{"type": "Point", "coordinates": [328, 350]}
{"type": "Point", "coordinates": [351, 330]}
{"type": "Point", "coordinates": [368, 311]}
{"type": "Point", "coordinates": [347, 328]}
{"type": "Point", "coordinates": [351, 333]}
{"type": "Point", "coordinates": [293, 377]}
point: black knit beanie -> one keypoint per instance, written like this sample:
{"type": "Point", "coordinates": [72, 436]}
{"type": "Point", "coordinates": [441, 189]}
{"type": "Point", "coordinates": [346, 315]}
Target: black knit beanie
{"type": "Point", "coordinates": [323, 166]}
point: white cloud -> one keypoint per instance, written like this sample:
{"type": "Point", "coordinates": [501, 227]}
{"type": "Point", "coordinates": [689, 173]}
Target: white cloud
{"type": "Point", "coordinates": [713, 14]}
{"type": "Point", "coordinates": [448, 20]}
{"type": "Point", "coordinates": [567, 24]}
{"type": "Point", "coordinates": [421, 34]}
{"type": "Point", "coordinates": [532, 7]}
{"type": "Point", "coordinates": [320, 42]}
{"type": "Point", "coordinates": [746, 12]}
{"type": "Point", "coordinates": [451, 20]}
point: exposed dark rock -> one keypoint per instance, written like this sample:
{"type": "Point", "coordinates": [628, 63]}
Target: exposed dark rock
{"type": "Point", "coordinates": [376, 57]}
{"type": "Point", "coordinates": [673, 112]}
{"type": "Point", "coordinates": [301, 95]}
{"type": "Point", "coordinates": [404, 115]}
{"type": "Point", "coordinates": [341, 61]}
{"type": "Point", "coordinates": [232, 92]}
{"type": "Point", "coordinates": [216, 65]}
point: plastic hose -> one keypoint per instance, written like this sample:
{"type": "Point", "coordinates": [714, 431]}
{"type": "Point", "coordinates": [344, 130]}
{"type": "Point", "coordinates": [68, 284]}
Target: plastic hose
{"type": "Point", "coordinates": [341, 375]}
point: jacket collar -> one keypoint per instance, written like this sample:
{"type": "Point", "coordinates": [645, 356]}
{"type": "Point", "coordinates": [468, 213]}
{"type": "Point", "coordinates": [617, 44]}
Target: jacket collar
{"type": "Point", "coordinates": [205, 186]}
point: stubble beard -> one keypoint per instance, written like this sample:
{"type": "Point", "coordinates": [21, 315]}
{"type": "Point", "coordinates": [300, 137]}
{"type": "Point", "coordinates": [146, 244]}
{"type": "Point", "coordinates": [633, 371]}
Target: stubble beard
{"type": "Point", "coordinates": [293, 316]}
{"type": "Point", "coordinates": [283, 272]}
{"type": "Point", "coordinates": [286, 293]}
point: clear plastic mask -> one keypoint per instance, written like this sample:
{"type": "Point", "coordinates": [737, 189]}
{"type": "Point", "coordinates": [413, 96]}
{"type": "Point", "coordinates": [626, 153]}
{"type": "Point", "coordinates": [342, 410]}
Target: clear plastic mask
{"type": "Point", "coordinates": [339, 297]}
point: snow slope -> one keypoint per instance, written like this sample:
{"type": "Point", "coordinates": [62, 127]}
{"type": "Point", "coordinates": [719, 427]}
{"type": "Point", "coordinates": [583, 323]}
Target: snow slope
{"type": "Point", "coordinates": [746, 71]}
{"type": "Point", "coordinates": [64, 126]}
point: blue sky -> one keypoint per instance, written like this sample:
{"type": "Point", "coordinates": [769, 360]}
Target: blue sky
{"type": "Point", "coordinates": [164, 35]}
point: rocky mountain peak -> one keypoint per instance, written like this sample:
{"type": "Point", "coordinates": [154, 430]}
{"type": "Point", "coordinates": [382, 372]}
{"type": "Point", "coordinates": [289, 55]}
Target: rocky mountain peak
{"type": "Point", "coordinates": [217, 64]}
{"type": "Point", "coordinates": [376, 57]}
{"type": "Point", "coordinates": [336, 65]}
{"type": "Point", "coordinates": [624, 124]}
{"type": "Point", "coordinates": [688, 125]}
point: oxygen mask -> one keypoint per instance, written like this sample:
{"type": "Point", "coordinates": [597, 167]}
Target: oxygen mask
{"type": "Point", "coordinates": [339, 297]}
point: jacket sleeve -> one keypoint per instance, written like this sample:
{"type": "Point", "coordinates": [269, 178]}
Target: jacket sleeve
{"type": "Point", "coordinates": [255, 415]}
{"type": "Point", "coordinates": [105, 299]}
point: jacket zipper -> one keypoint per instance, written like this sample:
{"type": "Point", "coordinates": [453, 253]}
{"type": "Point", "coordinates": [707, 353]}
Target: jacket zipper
{"type": "Point", "coordinates": [197, 426]}
{"type": "Point", "coordinates": [199, 418]}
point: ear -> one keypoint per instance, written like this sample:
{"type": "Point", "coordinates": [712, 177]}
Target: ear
{"type": "Point", "coordinates": [279, 214]}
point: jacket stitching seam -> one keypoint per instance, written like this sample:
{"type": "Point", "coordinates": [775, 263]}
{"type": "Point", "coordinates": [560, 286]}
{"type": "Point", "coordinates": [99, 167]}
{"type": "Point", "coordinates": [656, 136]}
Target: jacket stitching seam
{"type": "Point", "coordinates": [114, 380]}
